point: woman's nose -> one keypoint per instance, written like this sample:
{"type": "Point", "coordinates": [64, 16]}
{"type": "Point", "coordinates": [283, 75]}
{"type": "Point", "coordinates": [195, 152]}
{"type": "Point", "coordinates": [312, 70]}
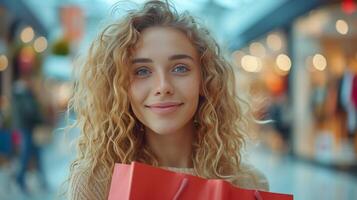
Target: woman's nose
{"type": "Point", "coordinates": [163, 85]}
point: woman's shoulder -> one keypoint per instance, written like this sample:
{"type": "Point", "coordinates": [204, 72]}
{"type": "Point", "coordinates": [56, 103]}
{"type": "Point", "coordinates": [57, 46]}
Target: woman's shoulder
{"type": "Point", "coordinates": [250, 177]}
{"type": "Point", "coordinates": [84, 186]}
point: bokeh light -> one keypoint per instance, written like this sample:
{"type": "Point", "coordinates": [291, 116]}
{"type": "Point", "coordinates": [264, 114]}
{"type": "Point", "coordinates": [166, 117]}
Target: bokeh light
{"type": "Point", "coordinates": [319, 62]}
{"type": "Point", "coordinates": [274, 42]}
{"type": "Point", "coordinates": [283, 62]}
{"type": "Point", "coordinates": [251, 63]}
{"type": "Point", "coordinates": [40, 44]}
{"type": "Point", "coordinates": [342, 26]}
{"type": "Point", "coordinates": [3, 62]}
{"type": "Point", "coordinates": [27, 34]}
{"type": "Point", "coordinates": [257, 49]}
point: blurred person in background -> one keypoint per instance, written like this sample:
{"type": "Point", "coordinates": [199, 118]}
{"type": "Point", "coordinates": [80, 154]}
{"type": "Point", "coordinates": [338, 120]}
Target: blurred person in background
{"type": "Point", "coordinates": [6, 148]}
{"type": "Point", "coordinates": [26, 117]}
{"type": "Point", "coordinates": [156, 89]}
{"type": "Point", "coordinates": [280, 114]}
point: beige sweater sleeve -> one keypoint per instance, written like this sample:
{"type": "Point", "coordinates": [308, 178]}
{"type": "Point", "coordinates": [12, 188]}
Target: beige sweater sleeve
{"type": "Point", "coordinates": [251, 178]}
{"type": "Point", "coordinates": [81, 189]}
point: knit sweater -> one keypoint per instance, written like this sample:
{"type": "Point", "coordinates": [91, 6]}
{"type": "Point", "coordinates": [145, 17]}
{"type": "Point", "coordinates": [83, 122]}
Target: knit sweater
{"type": "Point", "coordinates": [250, 178]}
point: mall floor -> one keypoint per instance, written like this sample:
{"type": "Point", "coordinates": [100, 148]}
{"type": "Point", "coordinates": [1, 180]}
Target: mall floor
{"type": "Point", "coordinates": [286, 174]}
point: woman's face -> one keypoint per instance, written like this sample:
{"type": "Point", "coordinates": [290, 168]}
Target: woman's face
{"type": "Point", "coordinates": [165, 80]}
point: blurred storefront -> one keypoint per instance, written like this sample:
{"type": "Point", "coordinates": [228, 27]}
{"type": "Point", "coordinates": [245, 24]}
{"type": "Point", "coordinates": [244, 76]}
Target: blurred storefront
{"type": "Point", "coordinates": [325, 85]}
{"type": "Point", "coordinates": [25, 42]}
{"type": "Point", "coordinates": [305, 71]}
{"type": "Point", "coordinates": [264, 67]}
{"type": "Point", "coordinates": [28, 48]}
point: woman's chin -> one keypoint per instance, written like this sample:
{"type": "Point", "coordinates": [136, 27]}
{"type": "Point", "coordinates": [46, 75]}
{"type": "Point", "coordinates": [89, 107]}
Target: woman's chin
{"type": "Point", "coordinates": [164, 130]}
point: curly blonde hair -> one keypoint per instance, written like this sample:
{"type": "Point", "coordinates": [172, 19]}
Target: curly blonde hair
{"type": "Point", "coordinates": [109, 129]}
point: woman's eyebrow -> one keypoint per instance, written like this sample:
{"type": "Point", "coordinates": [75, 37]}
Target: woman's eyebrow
{"type": "Point", "coordinates": [141, 60]}
{"type": "Point", "coordinates": [173, 57]}
{"type": "Point", "coordinates": [180, 56]}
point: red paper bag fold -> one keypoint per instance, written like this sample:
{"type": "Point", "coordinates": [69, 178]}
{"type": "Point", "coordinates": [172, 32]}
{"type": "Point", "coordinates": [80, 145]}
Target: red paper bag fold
{"type": "Point", "coordinates": [140, 181]}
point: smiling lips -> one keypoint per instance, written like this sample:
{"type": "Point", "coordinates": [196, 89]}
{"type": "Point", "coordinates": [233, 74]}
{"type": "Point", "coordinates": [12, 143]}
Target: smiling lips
{"type": "Point", "coordinates": [164, 108]}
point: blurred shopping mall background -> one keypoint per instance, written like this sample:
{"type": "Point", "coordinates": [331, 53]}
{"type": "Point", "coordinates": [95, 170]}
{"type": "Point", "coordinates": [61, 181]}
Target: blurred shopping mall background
{"type": "Point", "coordinates": [295, 59]}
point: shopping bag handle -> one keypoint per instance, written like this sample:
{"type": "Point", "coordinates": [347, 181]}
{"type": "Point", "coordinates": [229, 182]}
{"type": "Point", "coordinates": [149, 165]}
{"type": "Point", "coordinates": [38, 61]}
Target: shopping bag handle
{"type": "Point", "coordinates": [257, 195]}
{"type": "Point", "coordinates": [183, 185]}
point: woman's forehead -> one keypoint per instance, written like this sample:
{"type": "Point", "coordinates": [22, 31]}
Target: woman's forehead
{"type": "Point", "coordinates": [161, 41]}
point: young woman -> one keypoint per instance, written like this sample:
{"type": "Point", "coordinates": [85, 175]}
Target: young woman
{"type": "Point", "coordinates": [156, 89]}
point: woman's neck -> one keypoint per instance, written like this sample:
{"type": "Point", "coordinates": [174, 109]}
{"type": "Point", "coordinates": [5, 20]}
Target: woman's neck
{"type": "Point", "coordinates": [174, 149]}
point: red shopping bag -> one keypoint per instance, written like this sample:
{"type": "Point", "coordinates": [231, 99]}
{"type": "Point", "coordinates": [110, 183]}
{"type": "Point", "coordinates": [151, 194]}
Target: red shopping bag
{"type": "Point", "coordinates": [140, 181]}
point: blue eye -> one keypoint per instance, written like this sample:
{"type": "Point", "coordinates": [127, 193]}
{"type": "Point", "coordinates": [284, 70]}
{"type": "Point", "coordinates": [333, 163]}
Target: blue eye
{"type": "Point", "coordinates": [180, 69]}
{"type": "Point", "coordinates": [142, 72]}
